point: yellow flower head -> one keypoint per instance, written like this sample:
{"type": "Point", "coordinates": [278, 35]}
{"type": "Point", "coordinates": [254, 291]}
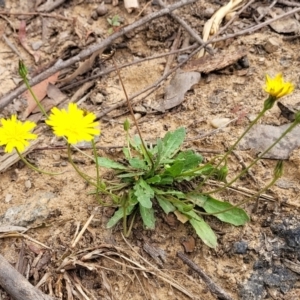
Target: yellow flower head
{"type": "Point", "coordinates": [15, 134]}
{"type": "Point", "coordinates": [74, 124]}
{"type": "Point", "coordinates": [276, 87]}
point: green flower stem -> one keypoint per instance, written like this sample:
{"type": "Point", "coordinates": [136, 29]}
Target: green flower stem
{"type": "Point", "coordinates": [290, 128]}
{"type": "Point", "coordinates": [192, 172]}
{"type": "Point", "coordinates": [41, 107]}
{"type": "Point", "coordinates": [268, 104]}
{"type": "Point", "coordinates": [84, 176]}
{"type": "Point", "coordinates": [27, 163]}
{"type": "Point", "coordinates": [97, 164]}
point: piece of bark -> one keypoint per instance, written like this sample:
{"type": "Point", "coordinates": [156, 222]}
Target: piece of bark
{"type": "Point", "coordinates": [208, 64]}
{"type": "Point", "coordinates": [8, 159]}
{"type": "Point", "coordinates": [16, 285]}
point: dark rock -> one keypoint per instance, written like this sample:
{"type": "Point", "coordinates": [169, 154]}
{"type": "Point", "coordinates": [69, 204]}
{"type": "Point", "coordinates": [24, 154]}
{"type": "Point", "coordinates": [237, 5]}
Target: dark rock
{"type": "Point", "coordinates": [240, 247]}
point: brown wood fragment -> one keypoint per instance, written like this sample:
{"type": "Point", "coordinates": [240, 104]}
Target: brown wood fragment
{"type": "Point", "coordinates": [208, 64]}
{"type": "Point", "coordinates": [16, 285]}
{"type": "Point", "coordinates": [157, 254]}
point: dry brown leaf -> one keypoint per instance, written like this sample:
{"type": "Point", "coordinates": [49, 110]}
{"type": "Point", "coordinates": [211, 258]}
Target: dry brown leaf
{"type": "Point", "coordinates": [55, 97]}
{"type": "Point", "coordinates": [84, 67]}
{"type": "Point", "coordinates": [40, 91]}
{"type": "Point", "coordinates": [181, 217]}
{"type": "Point", "coordinates": [189, 244]}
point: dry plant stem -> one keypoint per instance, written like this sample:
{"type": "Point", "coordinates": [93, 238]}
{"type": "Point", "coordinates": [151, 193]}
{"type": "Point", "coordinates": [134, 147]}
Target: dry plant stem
{"type": "Point", "coordinates": [289, 3]}
{"type": "Point", "coordinates": [11, 46]}
{"type": "Point", "coordinates": [82, 231]}
{"type": "Point", "coordinates": [90, 50]}
{"type": "Point", "coordinates": [112, 69]}
{"type": "Point", "coordinates": [54, 5]}
{"type": "Point", "coordinates": [242, 191]}
{"type": "Point", "coordinates": [175, 46]}
{"type": "Point", "coordinates": [154, 269]}
{"type": "Point", "coordinates": [214, 288]}
{"type": "Point", "coordinates": [151, 87]}
{"type": "Point", "coordinates": [263, 15]}
{"type": "Point", "coordinates": [16, 285]}
{"type": "Point", "coordinates": [59, 17]}
{"type": "Point", "coordinates": [132, 113]}
{"type": "Point", "coordinates": [190, 30]}
{"type": "Point", "coordinates": [6, 99]}
{"type": "Point", "coordinates": [25, 236]}
{"type": "Point", "coordinates": [235, 16]}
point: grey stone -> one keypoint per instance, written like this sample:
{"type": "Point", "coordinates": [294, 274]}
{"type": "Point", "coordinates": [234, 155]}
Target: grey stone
{"type": "Point", "coordinates": [240, 247]}
{"type": "Point", "coordinates": [36, 209]}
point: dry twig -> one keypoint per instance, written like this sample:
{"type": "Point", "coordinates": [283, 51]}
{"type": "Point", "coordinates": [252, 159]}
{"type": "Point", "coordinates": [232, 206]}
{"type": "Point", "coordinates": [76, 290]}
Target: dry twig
{"type": "Point", "coordinates": [16, 285]}
{"type": "Point", "coordinates": [213, 287]}
{"type": "Point", "coordinates": [90, 50]}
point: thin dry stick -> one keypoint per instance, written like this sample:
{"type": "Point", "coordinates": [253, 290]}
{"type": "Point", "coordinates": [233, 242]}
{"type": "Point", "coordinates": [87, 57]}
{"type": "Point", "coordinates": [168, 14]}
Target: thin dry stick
{"type": "Point", "coordinates": [262, 15]}
{"type": "Point", "coordinates": [138, 61]}
{"type": "Point", "coordinates": [90, 50]}
{"type": "Point", "coordinates": [175, 46]}
{"type": "Point", "coordinates": [190, 30]}
{"type": "Point", "coordinates": [288, 3]}
{"type": "Point", "coordinates": [35, 14]}
{"type": "Point", "coordinates": [156, 84]}
{"type": "Point", "coordinates": [11, 46]}
{"type": "Point", "coordinates": [164, 276]}
{"type": "Point", "coordinates": [82, 230]}
{"type": "Point", "coordinates": [151, 87]}
{"type": "Point", "coordinates": [215, 289]}
{"type": "Point", "coordinates": [51, 6]}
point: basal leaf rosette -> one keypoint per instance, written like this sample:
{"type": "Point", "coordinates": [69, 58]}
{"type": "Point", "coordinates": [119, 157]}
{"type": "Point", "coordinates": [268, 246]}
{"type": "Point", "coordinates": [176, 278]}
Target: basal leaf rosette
{"type": "Point", "coordinates": [74, 124]}
{"type": "Point", "coordinates": [15, 134]}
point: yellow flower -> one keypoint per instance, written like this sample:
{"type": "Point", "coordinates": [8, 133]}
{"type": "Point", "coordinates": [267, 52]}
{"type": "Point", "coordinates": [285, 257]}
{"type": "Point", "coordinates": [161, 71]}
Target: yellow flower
{"type": "Point", "coordinates": [74, 124]}
{"type": "Point", "coordinates": [14, 134]}
{"type": "Point", "coordinates": [276, 87]}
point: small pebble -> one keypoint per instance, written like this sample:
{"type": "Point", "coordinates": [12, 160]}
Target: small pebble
{"type": "Point", "coordinates": [272, 45]}
{"type": "Point", "coordinates": [28, 184]}
{"type": "Point", "coordinates": [219, 122]}
{"type": "Point", "coordinates": [97, 98]}
{"type": "Point", "coordinates": [8, 198]}
{"type": "Point", "coordinates": [181, 58]}
{"type": "Point", "coordinates": [36, 45]}
{"type": "Point", "coordinates": [94, 15]}
{"type": "Point", "coordinates": [56, 157]}
{"type": "Point", "coordinates": [102, 9]}
{"type": "Point", "coordinates": [240, 247]}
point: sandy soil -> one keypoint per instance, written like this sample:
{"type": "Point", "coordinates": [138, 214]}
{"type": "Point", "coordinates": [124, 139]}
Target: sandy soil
{"type": "Point", "coordinates": [124, 269]}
